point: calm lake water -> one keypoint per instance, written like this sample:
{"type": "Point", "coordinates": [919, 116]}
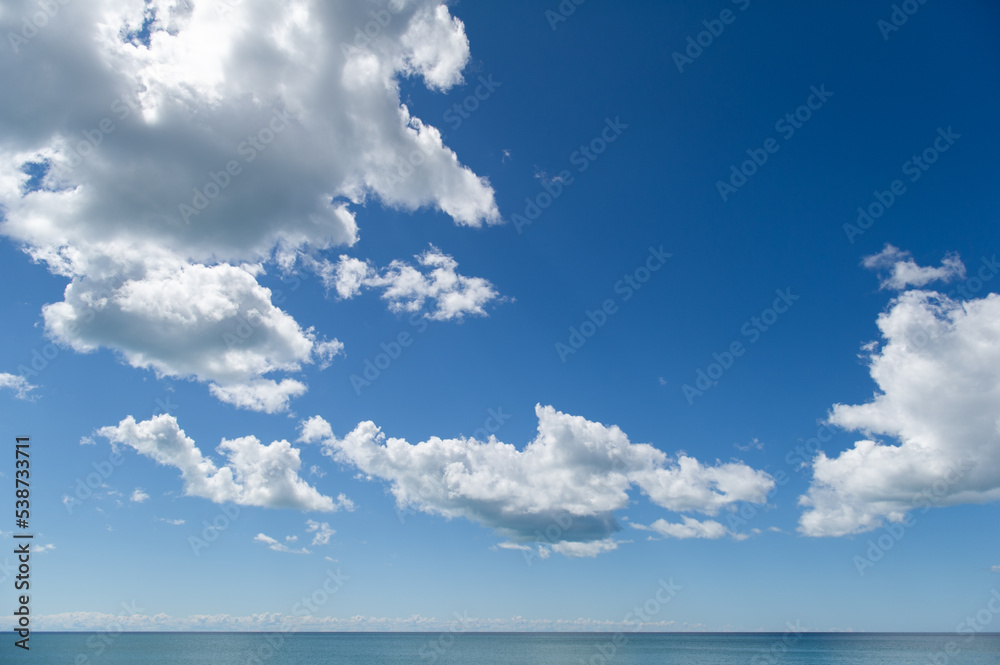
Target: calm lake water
{"type": "Point", "coordinates": [506, 649]}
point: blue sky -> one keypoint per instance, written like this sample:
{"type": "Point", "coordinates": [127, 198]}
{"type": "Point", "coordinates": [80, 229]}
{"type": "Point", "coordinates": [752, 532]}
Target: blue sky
{"type": "Point", "coordinates": [327, 243]}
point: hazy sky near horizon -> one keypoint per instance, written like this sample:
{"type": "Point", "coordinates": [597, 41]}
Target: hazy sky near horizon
{"type": "Point", "coordinates": [531, 313]}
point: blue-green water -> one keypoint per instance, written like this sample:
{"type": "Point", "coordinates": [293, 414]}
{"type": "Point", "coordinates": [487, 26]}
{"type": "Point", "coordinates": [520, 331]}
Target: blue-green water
{"type": "Point", "coordinates": [505, 649]}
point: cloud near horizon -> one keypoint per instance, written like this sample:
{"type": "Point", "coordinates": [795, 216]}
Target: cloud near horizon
{"type": "Point", "coordinates": [275, 622]}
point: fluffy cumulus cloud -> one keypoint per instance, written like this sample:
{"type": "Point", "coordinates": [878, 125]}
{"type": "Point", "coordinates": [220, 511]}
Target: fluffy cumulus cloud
{"type": "Point", "coordinates": [138, 495]}
{"type": "Point", "coordinates": [20, 385]}
{"type": "Point", "coordinates": [253, 475]}
{"type": "Point", "coordinates": [174, 151]}
{"type": "Point", "coordinates": [938, 375]}
{"type": "Point", "coordinates": [561, 490]}
{"type": "Point", "coordinates": [409, 289]}
{"type": "Point", "coordinates": [213, 322]}
{"type": "Point", "coordinates": [314, 429]}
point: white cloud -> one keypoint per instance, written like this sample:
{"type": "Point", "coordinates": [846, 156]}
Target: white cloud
{"type": "Point", "coordinates": [277, 546]}
{"type": "Point", "coordinates": [138, 496]}
{"type": "Point", "coordinates": [21, 387]}
{"type": "Point", "coordinates": [214, 323]}
{"type": "Point", "coordinates": [755, 444]}
{"type": "Point", "coordinates": [325, 352]}
{"type": "Point", "coordinates": [938, 378]}
{"type": "Point", "coordinates": [177, 522]}
{"type": "Point", "coordinates": [689, 528]}
{"type": "Point", "coordinates": [588, 549]}
{"type": "Point", "coordinates": [408, 289]}
{"type": "Point", "coordinates": [322, 530]}
{"type": "Point", "coordinates": [563, 487]}
{"type": "Point", "coordinates": [261, 394]}
{"type": "Point", "coordinates": [253, 475]}
{"type": "Point", "coordinates": [42, 549]}
{"type": "Point", "coordinates": [995, 569]}
{"type": "Point", "coordinates": [507, 545]}
{"type": "Point", "coordinates": [898, 270]}
{"type": "Point", "coordinates": [175, 172]}
{"type": "Point", "coordinates": [343, 503]}
{"type": "Point", "coordinates": [314, 429]}
{"type": "Point", "coordinates": [278, 623]}
{"type": "Point", "coordinates": [347, 276]}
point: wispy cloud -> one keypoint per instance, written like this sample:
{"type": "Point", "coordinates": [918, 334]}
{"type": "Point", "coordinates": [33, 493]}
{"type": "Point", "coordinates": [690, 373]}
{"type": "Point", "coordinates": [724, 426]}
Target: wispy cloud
{"type": "Point", "coordinates": [20, 385]}
{"type": "Point", "coordinates": [276, 545]}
